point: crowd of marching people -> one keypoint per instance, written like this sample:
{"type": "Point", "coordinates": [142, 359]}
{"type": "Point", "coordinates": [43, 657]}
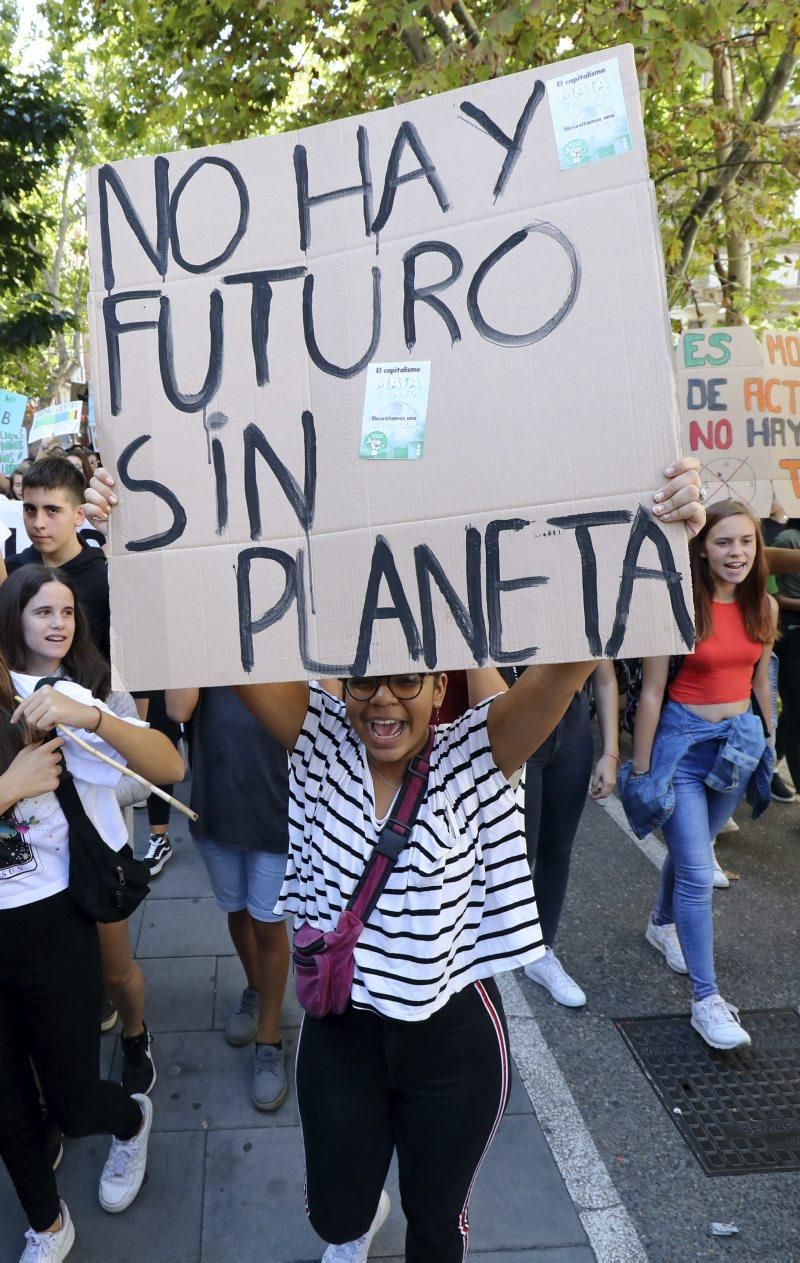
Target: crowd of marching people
{"type": "Point", "coordinates": [414, 830]}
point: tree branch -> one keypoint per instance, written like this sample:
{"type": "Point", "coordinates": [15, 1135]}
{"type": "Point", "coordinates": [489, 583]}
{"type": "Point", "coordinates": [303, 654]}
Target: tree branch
{"type": "Point", "coordinates": [467, 23]}
{"type": "Point", "coordinates": [417, 44]}
{"type": "Point", "coordinates": [740, 156]}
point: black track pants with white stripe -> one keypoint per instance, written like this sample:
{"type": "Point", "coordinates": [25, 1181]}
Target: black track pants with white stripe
{"type": "Point", "coordinates": [434, 1090]}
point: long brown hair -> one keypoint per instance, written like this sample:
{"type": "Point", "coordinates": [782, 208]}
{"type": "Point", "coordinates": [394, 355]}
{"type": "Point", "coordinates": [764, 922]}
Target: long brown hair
{"type": "Point", "coordinates": [751, 593]}
{"type": "Point", "coordinates": [12, 736]}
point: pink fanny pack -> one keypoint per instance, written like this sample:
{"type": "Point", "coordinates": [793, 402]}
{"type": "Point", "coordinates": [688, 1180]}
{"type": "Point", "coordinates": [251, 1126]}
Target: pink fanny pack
{"type": "Point", "coordinates": [324, 962]}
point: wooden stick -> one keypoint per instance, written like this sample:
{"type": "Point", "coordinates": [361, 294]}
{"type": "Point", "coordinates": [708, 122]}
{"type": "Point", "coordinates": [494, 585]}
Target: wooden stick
{"type": "Point", "coordinates": [126, 771]}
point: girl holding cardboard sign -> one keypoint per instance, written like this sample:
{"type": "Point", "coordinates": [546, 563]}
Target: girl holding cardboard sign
{"type": "Point", "coordinates": [414, 1055]}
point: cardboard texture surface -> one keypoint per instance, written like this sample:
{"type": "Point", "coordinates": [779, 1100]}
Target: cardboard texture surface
{"type": "Point", "coordinates": [740, 408]}
{"type": "Point", "coordinates": [235, 308]}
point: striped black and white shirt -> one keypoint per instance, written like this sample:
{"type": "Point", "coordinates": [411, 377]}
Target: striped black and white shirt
{"type": "Point", "coordinates": [459, 905]}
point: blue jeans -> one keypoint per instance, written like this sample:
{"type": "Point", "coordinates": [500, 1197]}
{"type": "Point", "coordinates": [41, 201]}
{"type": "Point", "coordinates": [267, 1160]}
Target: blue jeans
{"type": "Point", "coordinates": [687, 875]}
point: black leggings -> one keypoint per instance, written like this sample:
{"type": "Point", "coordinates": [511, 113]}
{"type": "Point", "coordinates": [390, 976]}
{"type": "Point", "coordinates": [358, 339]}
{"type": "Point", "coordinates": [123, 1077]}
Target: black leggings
{"type": "Point", "coordinates": [157, 717]}
{"type": "Point", "coordinates": [556, 785]}
{"type": "Point", "coordinates": [433, 1090]}
{"type": "Point", "coordinates": [50, 995]}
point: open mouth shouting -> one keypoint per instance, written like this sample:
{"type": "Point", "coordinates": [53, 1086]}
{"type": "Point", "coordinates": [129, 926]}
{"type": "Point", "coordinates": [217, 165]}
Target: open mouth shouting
{"type": "Point", "coordinates": [385, 732]}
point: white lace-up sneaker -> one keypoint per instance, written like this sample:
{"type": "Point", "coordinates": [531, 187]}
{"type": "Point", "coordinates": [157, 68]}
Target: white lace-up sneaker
{"type": "Point", "coordinates": [665, 939]}
{"type": "Point", "coordinates": [551, 974]}
{"type": "Point", "coordinates": [721, 881]}
{"type": "Point", "coordinates": [718, 1023]}
{"type": "Point", "coordinates": [358, 1251]}
{"type": "Point", "coordinates": [49, 1247]}
{"type": "Point", "coordinates": [123, 1173]}
{"type": "Point", "coordinates": [730, 826]}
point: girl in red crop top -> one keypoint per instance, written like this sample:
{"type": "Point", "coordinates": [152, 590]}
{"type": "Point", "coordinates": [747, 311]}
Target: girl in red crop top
{"type": "Point", "coordinates": [736, 623]}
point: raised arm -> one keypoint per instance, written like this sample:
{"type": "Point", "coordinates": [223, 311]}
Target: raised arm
{"type": "Point", "coordinates": [181, 704]}
{"type": "Point", "coordinates": [280, 708]}
{"type": "Point", "coordinates": [521, 719]}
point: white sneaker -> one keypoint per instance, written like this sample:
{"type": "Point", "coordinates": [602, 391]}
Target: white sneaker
{"type": "Point", "coordinates": [49, 1247]}
{"type": "Point", "coordinates": [665, 939]}
{"type": "Point", "coordinates": [730, 826]}
{"type": "Point", "coordinates": [718, 1023]}
{"type": "Point", "coordinates": [358, 1251]}
{"type": "Point", "coordinates": [124, 1170]}
{"type": "Point", "coordinates": [551, 974]}
{"type": "Point", "coordinates": [721, 881]}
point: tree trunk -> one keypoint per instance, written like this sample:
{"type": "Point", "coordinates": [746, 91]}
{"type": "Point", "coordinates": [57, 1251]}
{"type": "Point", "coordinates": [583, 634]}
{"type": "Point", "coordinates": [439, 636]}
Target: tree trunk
{"type": "Point", "coordinates": [737, 276]}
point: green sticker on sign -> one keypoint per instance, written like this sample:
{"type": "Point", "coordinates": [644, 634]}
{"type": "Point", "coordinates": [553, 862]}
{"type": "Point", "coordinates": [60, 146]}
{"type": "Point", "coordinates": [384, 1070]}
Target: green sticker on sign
{"type": "Point", "coordinates": [395, 411]}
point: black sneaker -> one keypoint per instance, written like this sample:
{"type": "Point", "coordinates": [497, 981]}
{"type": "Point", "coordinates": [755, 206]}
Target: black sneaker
{"type": "Point", "coordinates": [158, 852]}
{"type": "Point", "coordinates": [138, 1070]}
{"type": "Point", "coordinates": [781, 792]}
{"type": "Point", "coordinates": [108, 1014]}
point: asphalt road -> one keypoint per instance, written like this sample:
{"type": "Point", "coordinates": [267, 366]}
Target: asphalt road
{"type": "Point", "coordinates": [601, 942]}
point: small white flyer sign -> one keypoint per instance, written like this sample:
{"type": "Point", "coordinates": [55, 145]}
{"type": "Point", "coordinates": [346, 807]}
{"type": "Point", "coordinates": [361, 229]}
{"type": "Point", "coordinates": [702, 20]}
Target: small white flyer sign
{"type": "Point", "coordinates": [55, 421]}
{"type": "Point", "coordinates": [589, 115]}
{"type": "Point", "coordinates": [395, 411]}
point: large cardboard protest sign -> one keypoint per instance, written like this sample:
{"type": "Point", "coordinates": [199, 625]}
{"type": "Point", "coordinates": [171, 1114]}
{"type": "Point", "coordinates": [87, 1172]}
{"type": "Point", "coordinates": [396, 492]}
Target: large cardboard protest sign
{"type": "Point", "coordinates": [740, 406]}
{"type": "Point", "coordinates": [391, 390]}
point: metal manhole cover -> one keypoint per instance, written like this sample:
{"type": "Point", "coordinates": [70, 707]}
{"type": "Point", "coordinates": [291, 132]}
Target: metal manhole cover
{"type": "Point", "coordinates": [739, 1112]}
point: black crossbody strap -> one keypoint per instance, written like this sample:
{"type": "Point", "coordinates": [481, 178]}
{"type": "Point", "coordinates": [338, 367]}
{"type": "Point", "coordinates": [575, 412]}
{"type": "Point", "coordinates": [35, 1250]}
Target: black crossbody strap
{"type": "Point", "coordinates": [394, 835]}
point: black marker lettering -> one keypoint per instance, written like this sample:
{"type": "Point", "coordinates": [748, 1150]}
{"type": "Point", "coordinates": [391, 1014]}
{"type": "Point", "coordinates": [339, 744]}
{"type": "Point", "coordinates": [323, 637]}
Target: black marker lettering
{"type": "Point", "coordinates": [495, 586]}
{"type": "Point", "coordinates": [408, 135]}
{"type": "Point", "coordinates": [513, 147]}
{"type": "Point", "coordinates": [248, 626]}
{"type": "Point", "coordinates": [241, 227]}
{"type": "Point", "coordinates": [155, 489]}
{"type": "Point", "coordinates": [470, 622]}
{"type": "Point", "coordinates": [645, 528]}
{"type": "Point", "coordinates": [335, 370]}
{"type": "Point", "coordinates": [318, 668]}
{"type": "Point", "coordinates": [203, 397]}
{"type": "Point", "coordinates": [516, 239]}
{"type": "Point", "coordinates": [383, 567]}
{"type": "Point", "coordinates": [412, 295]}
{"type": "Point", "coordinates": [114, 328]}
{"type": "Point", "coordinates": [301, 501]}
{"type": "Point", "coordinates": [305, 201]}
{"type": "Point", "coordinates": [107, 178]}
{"type": "Point", "coordinates": [581, 524]}
{"type": "Point", "coordinates": [260, 305]}
{"type": "Point", "coordinates": [220, 484]}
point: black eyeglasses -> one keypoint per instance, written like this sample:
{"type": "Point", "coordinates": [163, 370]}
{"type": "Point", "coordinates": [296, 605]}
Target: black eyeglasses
{"type": "Point", "coordinates": [403, 687]}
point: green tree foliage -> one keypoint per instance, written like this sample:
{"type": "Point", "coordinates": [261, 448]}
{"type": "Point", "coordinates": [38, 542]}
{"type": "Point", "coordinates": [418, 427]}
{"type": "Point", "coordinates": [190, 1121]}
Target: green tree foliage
{"type": "Point", "coordinates": [36, 121]}
{"type": "Point", "coordinates": [717, 79]}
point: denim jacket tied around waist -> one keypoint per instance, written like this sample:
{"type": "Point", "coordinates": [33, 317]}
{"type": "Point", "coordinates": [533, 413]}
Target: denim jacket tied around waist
{"type": "Point", "coordinates": [744, 751]}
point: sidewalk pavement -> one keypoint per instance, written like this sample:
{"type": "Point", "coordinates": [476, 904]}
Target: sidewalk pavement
{"type": "Point", "coordinates": [225, 1181]}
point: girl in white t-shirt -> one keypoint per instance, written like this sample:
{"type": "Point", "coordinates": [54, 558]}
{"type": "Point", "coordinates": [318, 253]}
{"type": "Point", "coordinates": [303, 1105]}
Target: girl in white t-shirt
{"type": "Point", "coordinates": [419, 1061]}
{"type": "Point", "coordinates": [50, 980]}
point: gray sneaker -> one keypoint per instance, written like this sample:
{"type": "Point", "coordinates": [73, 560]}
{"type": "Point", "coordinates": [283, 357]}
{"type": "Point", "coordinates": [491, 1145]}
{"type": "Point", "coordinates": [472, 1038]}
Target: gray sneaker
{"type": "Point", "coordinates": [243, 1022]}
{"type": "Point", "coordinates": [269, 1078]}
